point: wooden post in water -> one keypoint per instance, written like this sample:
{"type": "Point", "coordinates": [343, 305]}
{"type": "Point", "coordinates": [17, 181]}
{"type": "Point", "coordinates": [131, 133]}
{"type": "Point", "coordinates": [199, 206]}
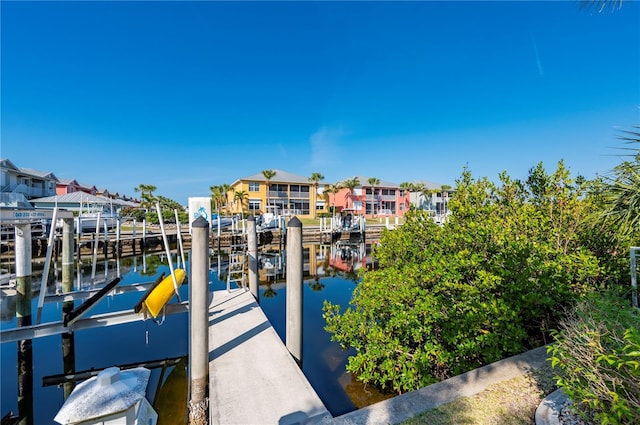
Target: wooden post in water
{"type": "Point", "coordinates": [293, 330]}
{"type": "Point", "coordinates": [68, 342]}
{"type": "Point", "coordinates": [23, 318]}
{"type": "Point", "coordinates": [252, 253]}
{"type": "Point", "coordinates": [199, 320]}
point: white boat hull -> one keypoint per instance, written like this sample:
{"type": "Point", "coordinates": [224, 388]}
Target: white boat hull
{"type": "Point", "coordinates": [89, 222]}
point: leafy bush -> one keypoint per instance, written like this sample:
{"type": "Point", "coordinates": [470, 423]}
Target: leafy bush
{"type": "Point", "coordinates": [597, 355]}
{"type": "Point", "coordinates": [488, 284]}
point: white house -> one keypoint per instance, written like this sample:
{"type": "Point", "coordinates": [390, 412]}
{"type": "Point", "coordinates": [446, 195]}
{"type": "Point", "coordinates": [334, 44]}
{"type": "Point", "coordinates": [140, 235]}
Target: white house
{"type": "Point", "coordinates": [25, 181]}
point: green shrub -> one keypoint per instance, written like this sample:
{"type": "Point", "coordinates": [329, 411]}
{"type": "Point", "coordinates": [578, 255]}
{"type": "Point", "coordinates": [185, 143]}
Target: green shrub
{"type": "Point", "coordinates": [490, 283]}
{"type": "Point", "coordinates": [597, 357]}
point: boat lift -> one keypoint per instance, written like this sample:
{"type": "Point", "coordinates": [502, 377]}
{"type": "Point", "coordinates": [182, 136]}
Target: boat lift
{"type": "Point", "coordinates": [74, 321]}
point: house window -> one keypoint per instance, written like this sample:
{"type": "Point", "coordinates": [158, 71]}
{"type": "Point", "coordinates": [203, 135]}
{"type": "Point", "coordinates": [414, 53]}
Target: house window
{"type": "Point", "coordinates": [254, 205]}
{"type": "Point", "coordinates": [254, 187]}
{"type": "Point", "coordinates": [299, 207]}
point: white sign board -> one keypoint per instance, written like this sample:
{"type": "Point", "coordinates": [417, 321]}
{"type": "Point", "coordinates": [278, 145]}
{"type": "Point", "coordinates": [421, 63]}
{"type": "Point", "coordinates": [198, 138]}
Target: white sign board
{"type": "Point", "coordinates": [17, 216]}
{"type": "Point", "coordinates": [199, 207]}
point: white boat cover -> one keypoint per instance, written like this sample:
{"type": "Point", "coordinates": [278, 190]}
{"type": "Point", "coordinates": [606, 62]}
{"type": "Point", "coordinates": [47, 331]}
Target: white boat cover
{"type": "Point", "coordinates": [110, 392]}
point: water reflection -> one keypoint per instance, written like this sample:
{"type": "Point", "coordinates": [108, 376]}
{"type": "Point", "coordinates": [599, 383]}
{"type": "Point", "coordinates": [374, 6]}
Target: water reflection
{"type": "Point", "coordinates": [331, 272]}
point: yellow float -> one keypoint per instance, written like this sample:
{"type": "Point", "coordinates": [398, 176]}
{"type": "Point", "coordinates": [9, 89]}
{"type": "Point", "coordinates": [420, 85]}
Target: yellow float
{"type": "Point", "coordinates": [160, 295]}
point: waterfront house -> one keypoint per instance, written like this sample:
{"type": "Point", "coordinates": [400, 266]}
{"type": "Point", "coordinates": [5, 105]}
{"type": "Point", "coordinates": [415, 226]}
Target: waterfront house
{"type": "Point", "coordinates": [25, 181]}
{"type": "Point", "coordinates": [384, 199]}
{"type": "Point", "coordinates": [64, 186]}
{"type": "Point", "coordinates": [289, 193]}
{"type": "Point", "coordinates": [433, 197]}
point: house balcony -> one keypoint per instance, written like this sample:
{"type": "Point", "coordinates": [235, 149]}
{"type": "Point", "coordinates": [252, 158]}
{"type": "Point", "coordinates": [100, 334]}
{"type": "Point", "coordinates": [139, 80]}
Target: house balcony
{"type": "Point", "coordinates": [299, 195]}
{"type": "Point", "coordinates": [273, 194]}
{"type": "Point", "coordinates": [32, 191]}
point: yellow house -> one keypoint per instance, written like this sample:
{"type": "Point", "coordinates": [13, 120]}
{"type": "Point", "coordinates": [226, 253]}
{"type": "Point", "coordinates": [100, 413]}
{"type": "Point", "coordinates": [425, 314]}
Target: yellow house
{"type": "Point", "coordinates": [287, 193]}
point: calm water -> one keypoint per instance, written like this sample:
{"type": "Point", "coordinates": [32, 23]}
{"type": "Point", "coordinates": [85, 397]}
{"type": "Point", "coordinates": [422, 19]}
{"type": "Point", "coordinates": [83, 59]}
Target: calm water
{"type": "Point", "coordinates": [330, 274]}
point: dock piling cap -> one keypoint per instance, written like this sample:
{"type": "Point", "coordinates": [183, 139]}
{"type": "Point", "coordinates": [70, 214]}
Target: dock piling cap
{"type": "Point", "coordinates": [110, 392]}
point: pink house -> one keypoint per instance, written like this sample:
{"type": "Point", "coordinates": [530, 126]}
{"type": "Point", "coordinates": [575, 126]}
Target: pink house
{"type": "Point", "coordinates": [384, 199]}
{"type": "Point", "coordinates": [64, 186]}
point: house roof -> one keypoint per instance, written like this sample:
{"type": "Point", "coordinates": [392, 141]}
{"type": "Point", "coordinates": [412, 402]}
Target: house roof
{"type": "Point", "coordinates": [38, 173]}
{"type": "Point", "coordinates": [430, 185]}
{"type": "Point", "coordinates": [364, 182]}
{"type": "Point", "coordinates": [6, 163]}
{"type": "Point", "coordinates": [280, 177]}
{"type": "Point", "coordinates": [68, 182]}
{"type": "Point", "coordinates": [80, 197]}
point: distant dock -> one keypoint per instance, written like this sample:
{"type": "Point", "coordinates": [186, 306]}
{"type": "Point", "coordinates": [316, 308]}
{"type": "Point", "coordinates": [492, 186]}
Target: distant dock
{"type": "Point", "coordinates": [127, 242]}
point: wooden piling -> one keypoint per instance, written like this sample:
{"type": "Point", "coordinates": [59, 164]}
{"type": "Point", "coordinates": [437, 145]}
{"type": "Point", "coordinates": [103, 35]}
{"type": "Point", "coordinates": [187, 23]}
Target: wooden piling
{"type": "Point", "coordinates": [68, 340]}
{"type": "Point", "coordinates": [23, 318]}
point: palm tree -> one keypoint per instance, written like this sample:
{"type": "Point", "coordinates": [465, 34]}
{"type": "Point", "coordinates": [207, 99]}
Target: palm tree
{"type": "Point", "coordinates": [412, 187]}
{"type": "Point", "coordinates": [331, 189]}
{"type": "Point", "coordinates": [226, 188]}
{"type": "Point", "coordinates": [268, 175]}
{"type": "Point", "coordinates": [315, 178]}
{"type": "Point", "coordinates": [374, 182]}
{"type": "Point", "coordinates": [351, 184]}
{"type": "Point", "coordinates": [621, 191]}
{"type": "Point", "coordinates": [146, 194]}
{"type": "Point", "coordinates": [217, 197]}
{"type": "Point", "coordinates": [428, 195]}
{"type": "Point", "coordinates": [240, 196]}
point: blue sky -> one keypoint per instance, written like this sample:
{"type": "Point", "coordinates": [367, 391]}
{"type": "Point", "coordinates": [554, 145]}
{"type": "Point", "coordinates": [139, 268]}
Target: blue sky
{"type": "Point", "coordinates": [188, 95]}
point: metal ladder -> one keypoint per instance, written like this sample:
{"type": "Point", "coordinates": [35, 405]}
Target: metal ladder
{"type": "Point", "coordinates": [237, 261]}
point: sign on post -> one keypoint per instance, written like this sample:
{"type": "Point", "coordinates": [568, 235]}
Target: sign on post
{"type": "Point", "coordinates": [199, 207]}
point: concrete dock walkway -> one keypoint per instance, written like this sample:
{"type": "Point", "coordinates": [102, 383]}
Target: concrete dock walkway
{"type": "Point", "coordinates": [252, 377]}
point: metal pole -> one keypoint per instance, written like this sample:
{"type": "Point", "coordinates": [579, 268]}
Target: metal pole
{"type": "Point", "coordinates": [167, 250]}
{"type": "Point", "coordinates": [144, 234]}
{"type": "Point", "coordinates": [133, 242]}
{"type": "Point", "coordinates": [95, 248]}
{"type": "Point", "coordinates": [47, 264]}
{"type": "Point", "coordinates": [252, 253]}
{"type": "Point", "coordinates": [118, 230]}
{"type": "Point", "coordinates": [179, 234]}
{"type": "Point", "coordinates": [199, 316]}
{"type": "Point", "coordinates": [294, 289]}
